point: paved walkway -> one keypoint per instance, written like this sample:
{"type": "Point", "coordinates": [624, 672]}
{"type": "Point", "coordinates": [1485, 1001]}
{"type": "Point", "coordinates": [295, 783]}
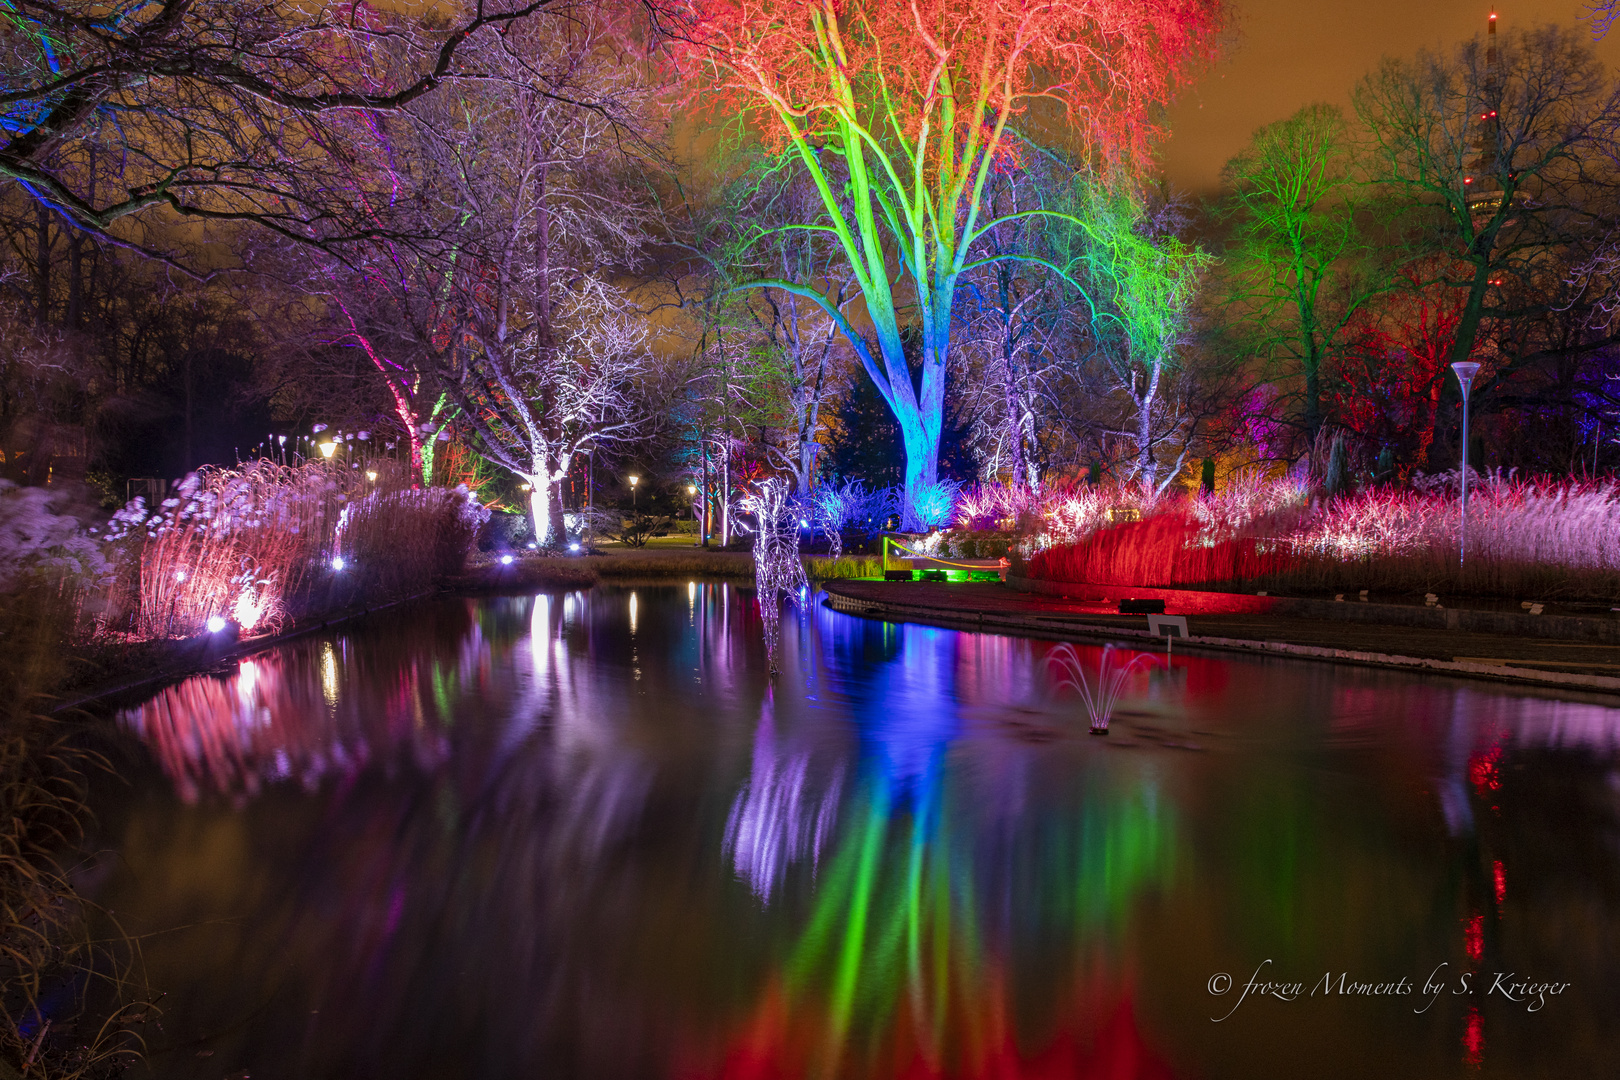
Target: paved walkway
{"type": "Point", "coordinates": [991, 606]}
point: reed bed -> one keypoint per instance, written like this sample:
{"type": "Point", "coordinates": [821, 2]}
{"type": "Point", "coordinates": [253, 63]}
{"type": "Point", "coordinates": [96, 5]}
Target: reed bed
{"type": "Point", "coordinates": [1161, 551]}
{"type": "Point", "coordinates": [264, 543]}
{"type": "Point", "coordinates": [1526, 539]}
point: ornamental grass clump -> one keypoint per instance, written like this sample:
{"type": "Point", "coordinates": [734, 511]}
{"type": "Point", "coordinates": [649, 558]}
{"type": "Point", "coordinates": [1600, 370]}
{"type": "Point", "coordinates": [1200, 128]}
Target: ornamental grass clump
{"type": "Point", "coordinates": [1526, 539]}
{"type": "Point", "coordinates": [231, 543]}
{"type": "Point", "coordinates": [396, 542]}
{"type": "Point", "coordinates": [264, 543]}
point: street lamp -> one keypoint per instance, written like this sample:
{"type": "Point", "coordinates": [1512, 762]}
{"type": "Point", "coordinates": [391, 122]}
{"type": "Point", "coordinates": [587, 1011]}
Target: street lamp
{"type": "Point", "coordinates": [328, 448]}
{"type": "Point", "coordinates": [634, 480]}
{"type": "Point", "coordinates": [1466, 370]}
{"type": "Point", "coordinates": [691, 493]}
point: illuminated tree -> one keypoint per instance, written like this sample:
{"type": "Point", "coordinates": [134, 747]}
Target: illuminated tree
{"type": "Point", "coordinates": [1145, 280]}
{"type": "Point", "coordinates": [1386, 381]}
{"type": "Point", "coordinates": [1498, 157]}
{"type": "Point", "coordinates": [915, 103]}
{"type": "Point", "coordinates": [1293, 262]}
{"type": "Point", "coordinates": [743, 232]}
{"type": "Point", "coordinates": [1602, 13]}
{"type": "Point", "coordinates": [528, 182]}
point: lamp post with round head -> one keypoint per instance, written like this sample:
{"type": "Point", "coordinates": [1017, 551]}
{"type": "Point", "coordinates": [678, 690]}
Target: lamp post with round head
{"type": "Point", "coordinates": [634, 480]}
{"type": "Point", "coordinates": [1466, 370]}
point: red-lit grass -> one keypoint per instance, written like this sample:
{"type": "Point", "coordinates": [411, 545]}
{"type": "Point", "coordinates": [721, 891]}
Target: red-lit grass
{"type": "Point", "coordinates": [1160, 551]}
{"type": "Point", "coordinates": [1526, 540]}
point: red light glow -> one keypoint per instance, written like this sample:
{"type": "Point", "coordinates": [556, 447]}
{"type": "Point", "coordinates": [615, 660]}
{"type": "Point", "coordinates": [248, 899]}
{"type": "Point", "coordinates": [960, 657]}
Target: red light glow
{"type": "Point", "coordinates": [1474, 1039]}
{"type": "Point", "coordinates": [1474, 937]}
{"type": "Point", "coordinates": [1484, 770]}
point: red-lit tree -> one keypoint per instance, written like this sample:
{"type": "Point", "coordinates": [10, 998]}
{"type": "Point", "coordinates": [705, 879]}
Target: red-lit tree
{"type": "Point", "coordinates": [917, 100]}
{"type": "Point", "coordinates": [1388, 378]}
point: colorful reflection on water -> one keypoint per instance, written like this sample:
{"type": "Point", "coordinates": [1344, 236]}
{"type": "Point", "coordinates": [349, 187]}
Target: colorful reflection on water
{"type": "Point", "coordinates": [584, 835]}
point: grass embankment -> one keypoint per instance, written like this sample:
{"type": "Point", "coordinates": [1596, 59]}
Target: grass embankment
{"type": "Point", "coordinates": [486, 573]}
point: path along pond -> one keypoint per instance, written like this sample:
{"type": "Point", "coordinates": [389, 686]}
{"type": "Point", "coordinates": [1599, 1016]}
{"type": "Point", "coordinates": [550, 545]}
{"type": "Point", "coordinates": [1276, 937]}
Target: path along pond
{"type": "Point", "coordinates": [587, 835]}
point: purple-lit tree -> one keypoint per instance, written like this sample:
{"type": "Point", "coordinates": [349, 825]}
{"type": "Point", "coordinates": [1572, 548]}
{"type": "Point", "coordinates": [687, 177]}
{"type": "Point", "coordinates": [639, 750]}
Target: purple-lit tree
{"type": "Point", "coordinates": [1017, 320]}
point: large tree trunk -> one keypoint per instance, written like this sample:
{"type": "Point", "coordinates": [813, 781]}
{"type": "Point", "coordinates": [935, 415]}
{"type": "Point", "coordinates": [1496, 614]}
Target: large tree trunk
{"type": "Point", "coordinates": [545, 505]}
{"type": "Point", "coordinates": [1147, 467]}
{"type": "Point", "coordinates": [1015, 420]}
{"type": "Point", "coordinates": [1313, 400]}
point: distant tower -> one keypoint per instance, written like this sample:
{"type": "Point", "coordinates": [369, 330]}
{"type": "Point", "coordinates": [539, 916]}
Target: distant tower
{"type": "Point", "coordinates": [1484, 192]}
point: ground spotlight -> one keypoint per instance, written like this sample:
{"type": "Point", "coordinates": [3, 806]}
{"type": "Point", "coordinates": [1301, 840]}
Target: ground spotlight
{"type": "Point", "coordinates": [338, 562]}
{"type": "Point", "coordinates": [216, 623]}
{"type": "Point", "coordinates": [506, 560]}
{"type": "Point", "coordinates": [573, 547]}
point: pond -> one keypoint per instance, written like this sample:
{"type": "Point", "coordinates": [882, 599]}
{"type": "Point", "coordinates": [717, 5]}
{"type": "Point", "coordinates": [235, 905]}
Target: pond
{"type": "Point", "coordinates": [587, 835]}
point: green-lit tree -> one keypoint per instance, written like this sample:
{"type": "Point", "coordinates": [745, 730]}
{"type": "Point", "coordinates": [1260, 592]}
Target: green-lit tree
{"type": "Point", "coordinates": [1295, 273]}
{"type": "Point", "coordinates": [1144, 280]}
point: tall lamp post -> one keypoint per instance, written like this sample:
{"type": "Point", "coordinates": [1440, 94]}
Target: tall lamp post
{"type": "Point", "coordinates": [634, 480]}
{"type": "Point", "coordinates": [1466, 370]}
{"type": "Point", "coordinates": [691, 493]}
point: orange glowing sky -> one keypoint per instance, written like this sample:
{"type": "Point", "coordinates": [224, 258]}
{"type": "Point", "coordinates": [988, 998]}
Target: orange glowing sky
{"type": "Point", "coordinates": [1289, 53]}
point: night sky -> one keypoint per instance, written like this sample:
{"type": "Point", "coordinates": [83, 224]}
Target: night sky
{"type": "Point", "coordinates": [1288, 53]}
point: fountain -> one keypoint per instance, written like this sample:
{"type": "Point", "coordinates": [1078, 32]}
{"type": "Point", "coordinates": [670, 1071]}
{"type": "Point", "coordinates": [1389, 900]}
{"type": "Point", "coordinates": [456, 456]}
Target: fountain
{"type": "Point", "coordinates": [1099, 700]}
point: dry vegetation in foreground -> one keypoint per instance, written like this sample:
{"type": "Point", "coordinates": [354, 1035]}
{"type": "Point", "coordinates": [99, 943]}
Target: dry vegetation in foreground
{"type": "Point", "coordinates": [67, 1006]}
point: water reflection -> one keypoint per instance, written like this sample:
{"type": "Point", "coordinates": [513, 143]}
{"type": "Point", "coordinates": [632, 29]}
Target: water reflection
{"type": "Point", "coordinates": [586, 835]}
